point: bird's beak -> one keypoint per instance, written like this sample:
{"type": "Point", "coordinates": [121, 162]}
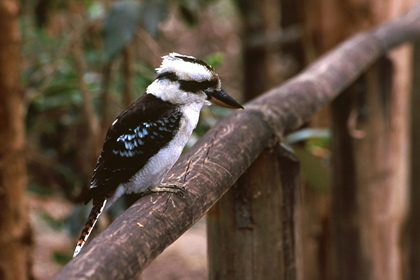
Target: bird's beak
{"type": "Point", "coordinates": [221, 98]}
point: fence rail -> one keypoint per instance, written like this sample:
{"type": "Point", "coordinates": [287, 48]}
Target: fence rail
{"type": "Point", "coordinates": [222, 155]}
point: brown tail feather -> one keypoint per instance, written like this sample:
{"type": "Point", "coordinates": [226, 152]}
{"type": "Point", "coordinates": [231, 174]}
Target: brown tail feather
{"type": "Point", "coordinates": [97, 208]}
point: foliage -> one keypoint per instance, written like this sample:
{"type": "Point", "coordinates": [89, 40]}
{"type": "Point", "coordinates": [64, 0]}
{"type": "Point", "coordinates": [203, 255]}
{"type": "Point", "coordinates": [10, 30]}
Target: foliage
{"type": "Point", "coordinates": [121, 23]}
{"type": "Point", "coordinates": [54, 76]}
{"type": "Point", "coordinates": [59, 160]}
{"type": "Point", "coordinates": [311, 146]}
{"type": "Point", "coordinates": [124, 17]}
{"type": "Point", "coordinates": [62, 257]}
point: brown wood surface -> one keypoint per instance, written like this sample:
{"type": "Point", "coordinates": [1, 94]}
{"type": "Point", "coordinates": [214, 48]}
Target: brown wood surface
{"type": "Point", "coordinates": [15, 234]}
{"type": "Point", "coordinates": [221, 156]}
{"type": "Point", "coordinates": [370, 187]}
{"type": "Point", "coordinates": [253, 230]}
{"type": "Point", "coordinates": [413, 242]}
{"type": "Point", "coordinates": [367, 225]}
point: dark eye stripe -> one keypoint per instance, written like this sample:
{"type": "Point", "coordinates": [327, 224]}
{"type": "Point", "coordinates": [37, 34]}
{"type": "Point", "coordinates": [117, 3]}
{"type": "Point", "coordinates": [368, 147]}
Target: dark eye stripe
{"type": "Point", "coordinates": [189, 86]}
{"type": "Point", "coordinates": [194, 86]}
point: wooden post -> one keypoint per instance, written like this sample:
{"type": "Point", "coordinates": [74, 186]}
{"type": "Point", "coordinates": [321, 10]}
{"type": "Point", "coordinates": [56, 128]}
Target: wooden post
{"type": "Point", "coordinates": [369, 193]}
{"type": "Point", "coordinates": [253, 230]}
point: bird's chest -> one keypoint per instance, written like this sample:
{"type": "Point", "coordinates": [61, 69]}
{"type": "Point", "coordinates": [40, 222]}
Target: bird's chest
{"type": "Point", "coordinates": [158, 165]}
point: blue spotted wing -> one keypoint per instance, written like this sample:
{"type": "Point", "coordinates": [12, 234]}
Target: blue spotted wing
{"type": "Point", "coordinates": [138, 133]}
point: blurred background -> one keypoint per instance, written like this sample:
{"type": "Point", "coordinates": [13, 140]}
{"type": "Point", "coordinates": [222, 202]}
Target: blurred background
{"type": "Point", "coordinates": [78, 63]}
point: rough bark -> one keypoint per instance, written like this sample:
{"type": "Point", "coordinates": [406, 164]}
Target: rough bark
{"type": "Point", "coordinates": [15, 235]}
{"type": "Point", "coordinates": [210, 168]}
{"type": "Point", "coordinates": [327, 23]}
{"type": "Point", "coordinates": [257, 222]}
{"type": "Point", "coordinates": [370, 167]}
{"type": "Point", "coordinates": [413, 244]}
{"type": "Point", "coordinates": [259, 24]}
{"type": "Point", "coordinates": [367, 217]}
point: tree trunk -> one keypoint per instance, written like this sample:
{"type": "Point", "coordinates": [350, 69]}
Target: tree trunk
{"type": "Point", "coordinates": [259, 20]}
{"type": "Point", "coordinates": [15, 234]}
{"type": "Point", "coordinates": [369, 202]}
{"type": "Point", "coordinates": [370, 150]}
{"type": "Point", "coordinates": [413, 248]}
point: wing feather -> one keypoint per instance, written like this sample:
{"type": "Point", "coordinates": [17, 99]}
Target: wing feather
{"type": "Point", "coordinates": [136, 135]}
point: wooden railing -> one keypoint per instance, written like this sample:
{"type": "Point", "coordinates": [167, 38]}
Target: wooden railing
{"type": "Point", "coordinates": [220, 157]}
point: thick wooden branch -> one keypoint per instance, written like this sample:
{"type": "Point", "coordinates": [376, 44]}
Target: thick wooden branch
{"type": "Point", "coordinates": [135, 238]}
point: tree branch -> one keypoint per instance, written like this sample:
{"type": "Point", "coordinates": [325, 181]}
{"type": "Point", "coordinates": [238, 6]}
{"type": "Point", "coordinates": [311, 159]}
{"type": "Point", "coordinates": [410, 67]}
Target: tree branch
{"type": "Point", "coordinates": [135, 238]}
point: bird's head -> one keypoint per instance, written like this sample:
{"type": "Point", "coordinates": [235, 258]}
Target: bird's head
{"type": "Point", "coordinates": [185, 80]}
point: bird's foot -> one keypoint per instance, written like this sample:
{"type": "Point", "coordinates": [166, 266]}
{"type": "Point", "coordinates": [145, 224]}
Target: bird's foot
{"type": "Point", "coordinates": [171, 188]}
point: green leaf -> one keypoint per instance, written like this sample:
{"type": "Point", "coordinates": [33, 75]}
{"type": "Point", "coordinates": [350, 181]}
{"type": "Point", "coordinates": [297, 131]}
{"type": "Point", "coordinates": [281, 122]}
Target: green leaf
{"type": "Point", "coordinates": [61, 257]}
{"type": "Point", "coordinates": [120, 25]}
{"type": "Point", "coordinates": [313, 169]}
{"type": "Point", "coordinates": [154, 12]}
{"type": "Point", "coordinates": [215, 59]}
{"type": "Point", "coordinates": [55, 224]}
{"type": "Point", "coordinates": [39, 189]}
{"type": "Point", "coordinates": [308, 133]}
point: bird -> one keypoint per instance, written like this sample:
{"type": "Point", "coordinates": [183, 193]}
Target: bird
{"type": "Point", "coordinates": [146, 139]}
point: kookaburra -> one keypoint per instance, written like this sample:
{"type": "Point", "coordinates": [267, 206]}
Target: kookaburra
{"type": "Point", "coordinates": [145, 140]}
